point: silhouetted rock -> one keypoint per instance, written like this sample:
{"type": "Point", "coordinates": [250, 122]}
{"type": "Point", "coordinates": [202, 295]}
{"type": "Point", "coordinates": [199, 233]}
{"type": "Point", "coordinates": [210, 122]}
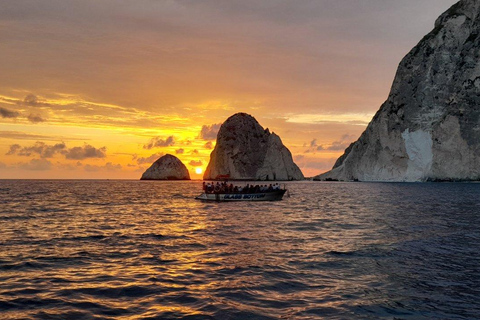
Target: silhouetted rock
{"type": "Point", "coordinates": [246, 151]}
{"type": "Point", "coordinates": [167, 167]}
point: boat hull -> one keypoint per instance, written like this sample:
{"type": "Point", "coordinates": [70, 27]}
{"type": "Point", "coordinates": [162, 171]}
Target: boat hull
{"type": "Point", "coordinates": [260, 196]}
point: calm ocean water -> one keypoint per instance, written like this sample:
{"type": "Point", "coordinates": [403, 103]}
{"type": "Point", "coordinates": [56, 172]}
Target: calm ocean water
{"type": "Point", "coordinates": [148, 250]}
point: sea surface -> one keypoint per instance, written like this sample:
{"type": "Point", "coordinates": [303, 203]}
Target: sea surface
{"type": "Point", "coordinates": [148, 250]}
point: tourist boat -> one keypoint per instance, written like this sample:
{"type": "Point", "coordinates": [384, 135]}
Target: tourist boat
{"type": "Point", "coordinates": [274, 195]}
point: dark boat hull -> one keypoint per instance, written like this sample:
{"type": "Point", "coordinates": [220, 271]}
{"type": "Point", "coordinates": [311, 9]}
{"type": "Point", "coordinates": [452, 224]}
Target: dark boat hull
{"type": "Point", "coordinates": [260, 196]}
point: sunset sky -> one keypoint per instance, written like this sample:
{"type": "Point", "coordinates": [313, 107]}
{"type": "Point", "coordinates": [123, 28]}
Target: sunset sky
{"type": "Point", "coordinates": [101, 89]}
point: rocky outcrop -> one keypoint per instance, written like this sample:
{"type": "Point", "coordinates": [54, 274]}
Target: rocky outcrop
{"type": "Point", "coordinates": [429, 127]}
{"type": "Point", "coordinates": [246, 151]}
{"type": "Point", "coordinates": [167, 167]}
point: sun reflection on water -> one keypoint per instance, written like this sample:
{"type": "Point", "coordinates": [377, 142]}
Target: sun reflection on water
{"type": "Point", "coordinates": [131, 249]}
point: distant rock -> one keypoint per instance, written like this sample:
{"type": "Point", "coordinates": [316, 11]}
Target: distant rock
{"type": "Point", "coordinates": [429, 127]}
{"type": "Point", "coordinates": [246, 151]}
{"type": "Point", "coordinates": [167, 167]}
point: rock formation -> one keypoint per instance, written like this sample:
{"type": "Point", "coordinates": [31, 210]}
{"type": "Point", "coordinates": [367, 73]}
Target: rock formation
{"type": "Point", "coordinates": [246, 151]}
{"type": "Point", "coordinates": [167, 167]}
{"type": "Point", "coordinates": [429, 127]}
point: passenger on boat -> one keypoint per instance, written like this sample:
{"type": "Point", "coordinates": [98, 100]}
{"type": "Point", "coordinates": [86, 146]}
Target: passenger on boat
{"type": "Point", "coordinates": [224, 187]}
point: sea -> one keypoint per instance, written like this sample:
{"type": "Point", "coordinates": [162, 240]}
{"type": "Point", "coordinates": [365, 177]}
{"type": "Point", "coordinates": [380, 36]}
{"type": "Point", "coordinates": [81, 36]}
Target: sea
{"type": "Point", "coordinates": [105, 249]}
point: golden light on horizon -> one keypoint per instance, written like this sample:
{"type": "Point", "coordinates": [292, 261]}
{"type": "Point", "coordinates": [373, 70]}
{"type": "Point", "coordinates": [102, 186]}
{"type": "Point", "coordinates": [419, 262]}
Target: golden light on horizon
{"type": "Point", "coordinates": [317, 93]}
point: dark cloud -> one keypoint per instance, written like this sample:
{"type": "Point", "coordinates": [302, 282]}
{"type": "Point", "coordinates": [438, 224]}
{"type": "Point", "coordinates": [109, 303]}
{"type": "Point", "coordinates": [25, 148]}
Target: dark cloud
{"type": "Point", "coordinates": [29, 136]}
{"type": "Point", "coordinates": [37, 165]}
{"type": "Point", "coordinates": [39, 148]}
{"type": "Point", "coordinates": [35, 118]}
{"type": "Point", "coordinates": [180, 151]}
{"type": "Point", "coordinates": [48, 151]}
{"type": "Point", "coordinates": [314, 147]}
{"type": "Point", "coordinates": [13, 149]}
{"type": "Point", "coordinates": [87, 151]}
{"type": "Point", "coordinates": [149, 160]}
{"type": "Point", "coordinates": [209, 145]}
{"type": "Point", "coordinates": [32, 100]}
{"type": "Point", "coordinates": [195, 151]}
{"type": "Point", "coordinates": [5, 113]}
{"type": "Point", "coordinates": [339, 145]}
{"type": "Point", "coordinates": [209, 132]}
{"type": "Point", "coordinates": [159, 142]}
{"type": "Point", "coordinates": [194, 163]}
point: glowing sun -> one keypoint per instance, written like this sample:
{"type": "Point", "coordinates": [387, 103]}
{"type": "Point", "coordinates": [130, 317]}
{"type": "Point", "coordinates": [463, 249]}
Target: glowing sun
{"type": "Point", "coordinates": [198, 170]}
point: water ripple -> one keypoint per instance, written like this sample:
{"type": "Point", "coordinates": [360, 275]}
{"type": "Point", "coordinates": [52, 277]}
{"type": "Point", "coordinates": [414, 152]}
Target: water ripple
{"type": "Point", "coordinates": [147, 250]}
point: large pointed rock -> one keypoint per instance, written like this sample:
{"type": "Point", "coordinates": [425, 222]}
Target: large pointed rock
{"type": "Point", "coordinates": [167, 167]}
{"type": "Point", "coordinates": [429, 127]}
{"type": "Point", "coordinates": [246, 151]}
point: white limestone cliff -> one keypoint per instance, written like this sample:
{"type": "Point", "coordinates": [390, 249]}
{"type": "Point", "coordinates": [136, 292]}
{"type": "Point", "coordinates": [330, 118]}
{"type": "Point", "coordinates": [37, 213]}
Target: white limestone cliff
{"type": "Point", "coordinates": [167, 167]}
{"type": "Point", "coordinates": [429, 127]}
{"type": "Point", "coordinates": [246, 151]}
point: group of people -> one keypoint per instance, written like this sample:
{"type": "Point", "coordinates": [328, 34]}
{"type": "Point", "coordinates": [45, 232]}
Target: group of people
{"type": "Point", "coordinates": [224, 187]}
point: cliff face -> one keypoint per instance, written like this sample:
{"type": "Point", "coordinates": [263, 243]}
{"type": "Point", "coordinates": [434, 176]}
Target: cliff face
{"type": "Point", "coordinates": [246, 151]}
{"type": "Point", "coordinates": [429, 127]}
{"type": "Point", "coordinates": [167, 167]}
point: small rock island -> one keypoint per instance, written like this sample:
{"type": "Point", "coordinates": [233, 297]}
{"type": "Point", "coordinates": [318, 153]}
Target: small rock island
{"type": "Point", "coordinates": [246, 151]}
{"type": "Point", "coordinates": [167, 167]}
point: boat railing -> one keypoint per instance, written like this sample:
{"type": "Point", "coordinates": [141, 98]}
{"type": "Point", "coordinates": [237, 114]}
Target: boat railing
{"type": "Point", "coordinates": [245, 190]}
